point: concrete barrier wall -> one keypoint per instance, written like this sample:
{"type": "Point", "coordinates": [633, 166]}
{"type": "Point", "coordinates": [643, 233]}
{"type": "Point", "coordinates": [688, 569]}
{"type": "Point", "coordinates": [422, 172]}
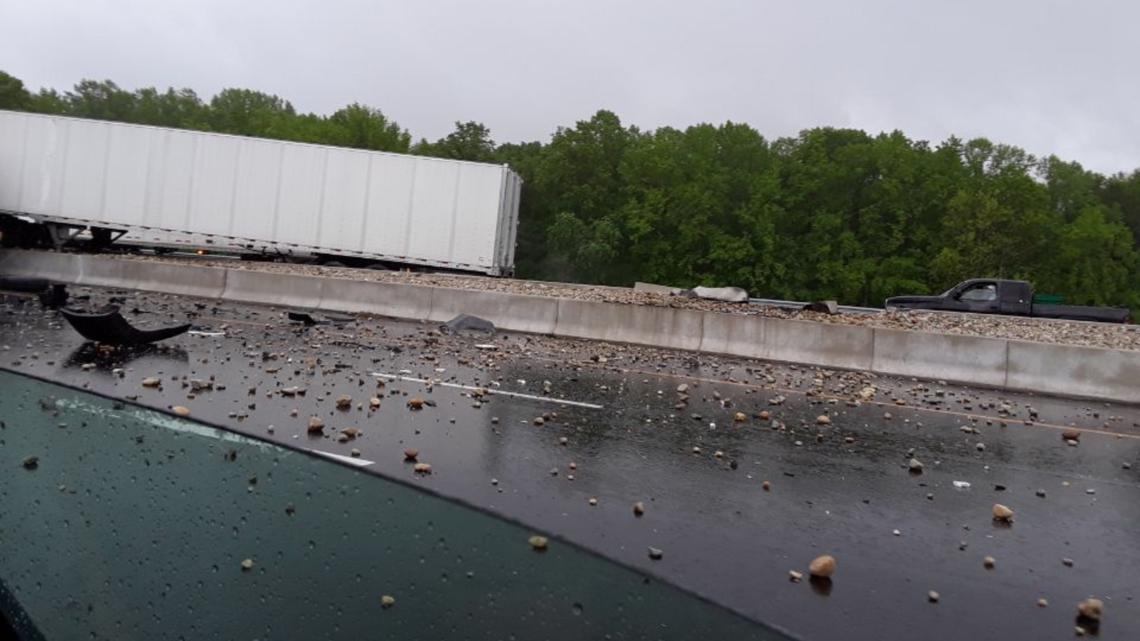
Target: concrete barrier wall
{"type": "Point", "coordinates": [845, 346]}
{"type": "Point", "coordinates": [656, 326]}
{"type": "Point", "coordinates": [268, 288]}
{"type": "Point", "coordinates": [384, 299]}
{"type": "Point", "coordinates": [184, 280]}
{"type": "Point", "coordinates": [514, 312]}
{"type": "Point", "coordinates": [1074, 371]}
{"type": "Point", "coordinates": [968, 359]}
{"type": "Point", "coordinates": [64, 268]}
{"type": "Point", "coordinates": [1009, 364]}
{"type": "Point", "coordinates": [101, 272]}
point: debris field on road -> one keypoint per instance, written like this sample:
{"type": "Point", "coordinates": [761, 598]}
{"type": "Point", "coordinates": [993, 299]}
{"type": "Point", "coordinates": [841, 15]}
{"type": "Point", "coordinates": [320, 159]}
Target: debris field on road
{"type": "Point", "coordinates": [787, 493]}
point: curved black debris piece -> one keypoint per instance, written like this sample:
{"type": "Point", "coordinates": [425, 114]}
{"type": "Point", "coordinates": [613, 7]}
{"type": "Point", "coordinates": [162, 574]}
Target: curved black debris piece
{"type": "Point", "coordinates": [302, 317]}
{"type": "Point", "coordinates": [108, 326]}
{"type": "Point", "coordinates": [467, 323]}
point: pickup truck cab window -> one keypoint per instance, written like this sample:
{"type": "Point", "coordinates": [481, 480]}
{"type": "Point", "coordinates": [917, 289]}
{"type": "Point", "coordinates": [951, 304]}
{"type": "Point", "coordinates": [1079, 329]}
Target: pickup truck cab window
{"type": "Point", "coordinates": [979, 293]}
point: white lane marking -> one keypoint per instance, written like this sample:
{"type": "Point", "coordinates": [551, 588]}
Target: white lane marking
{"type": "Point", "coordinates": [531, 397]}
{"type": "Point", "coordinates": [358, 462]}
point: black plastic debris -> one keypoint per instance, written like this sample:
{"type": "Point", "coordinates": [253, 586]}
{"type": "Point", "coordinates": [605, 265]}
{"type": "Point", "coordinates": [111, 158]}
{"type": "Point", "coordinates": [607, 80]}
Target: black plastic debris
{"type": "Point", "coordinates": [302, 317]}
{"type": "Point", "coordinates": [308, 320]}
{"type": "Point", "coordinates": [467, 323]}
{"type": "Point", "coordinates": [22, 284]}
{"type": "Point", "coordinates": [108, 326]}
{"type": "Point", "coordinates": [52, 295]}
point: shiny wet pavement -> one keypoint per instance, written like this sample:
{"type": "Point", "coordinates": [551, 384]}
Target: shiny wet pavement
{"type": "Point", "coordinates": [662, 428]}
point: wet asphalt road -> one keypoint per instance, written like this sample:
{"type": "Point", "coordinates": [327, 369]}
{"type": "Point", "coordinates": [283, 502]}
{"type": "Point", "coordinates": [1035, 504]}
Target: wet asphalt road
{"type": "Point", "coordinates": [841, 488]}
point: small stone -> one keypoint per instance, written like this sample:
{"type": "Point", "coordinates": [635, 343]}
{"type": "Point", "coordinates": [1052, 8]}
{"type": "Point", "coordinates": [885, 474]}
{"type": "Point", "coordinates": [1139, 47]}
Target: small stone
{"type": "Point", "coordinates": [849, 439]}
{"type": "Point", "coordinates": [740, 417]}
{"type": "Point", "coordinates": [682, 388]}
{"type": "Point", "coordinates": [411, 453]}
{"type": "Point", "coordinates": [638, 508]}
{"type": "Point", "coordinates": [355, 453]}
{"type": "Point", "coordinates": [421, 468]}
{"type": "Point", "coordinates": [344, 402]}
{"type": "Point", "coordinates": [387, 601]}
{"type": "Point", "coordinates": [1071, 435]}
{"type": "Point", "coordinates": [562, 440]}
{"type": "Point", "coordinates": [896, 532]}
{"type": "Point", "coordinates": [718, 454]}
{"type": "Point", "coordinates": [656, 553]}
{"type": "Point", "coordinates": [823, 419]}
{"type": "Point", "coordinates": [31, 463]}
{"type": "Point", "coordinates": [822, 566]}
{"type": "Point", "coordinates": [247, 564]}
{"type": "Point", "coordinates": [932, 596]}
{"type": "Point", "coordinates": [1067, 562]}
{"type": "Point", "coordinates": [180, 410]}
{"type": "Point", "coordinates": [1002, 513]}
{"type": "Point", "coordinates": [766, 486]}
{"type": "Point", "coordinates": [1042, 602]}
{"type": "Point", "coordinates": [316, 425]}
{"type": "Point", "coordinates": [794, 576]}
{"type": "Point", "coordinates": [989, 562]}
{"type": "Point", "coordinates": [538, 543]}
{"type": "Point", "coordinates": [374, 402]}
{"type": "Point", "coordinates": [915, 466]}
{"type": "Point", "coordinates": [1091, 609]}
{"type": "Point", "coordinates": [765, 415]}
{"type": "Point", "coordinates": [1041, 493]}
{"type": "Point", "coordinates": [981, 447]}
{"type": "Point", "coordinates": [572, 465]}
{"type": "Point", "coordinates": [151, 381]}
{"type": "Point", "coordinates": [538, 420]}
{"type": "Point", "coordinates": [415, 403]}
{"type": "Point", "coordinates": [696, 450]}
{"type": "Point", "coordinates": [593, 500]}
{"type": "Point", "coordinates": [350, 432]}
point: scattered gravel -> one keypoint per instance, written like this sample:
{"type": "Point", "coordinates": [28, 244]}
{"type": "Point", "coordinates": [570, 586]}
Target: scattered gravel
{"type": "Point", "coordinates": [1126, 337]}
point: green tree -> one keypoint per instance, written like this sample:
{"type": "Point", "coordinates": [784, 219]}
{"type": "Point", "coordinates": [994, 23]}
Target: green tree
{"type": "Point", "coordinates": [13, 95]}
{"type": "Point", "coordinates": [470, 141]}
{"type": "Point", "coordinates": [366, 128]}
{"type": "Point", "coordinates": [250, 113]}
{"type": "Point", "coordinates": [100, 99]}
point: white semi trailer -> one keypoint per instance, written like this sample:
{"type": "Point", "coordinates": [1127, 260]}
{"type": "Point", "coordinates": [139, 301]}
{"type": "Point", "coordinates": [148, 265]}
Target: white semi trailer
{"type": "Point", "coordinates": [169, 187]}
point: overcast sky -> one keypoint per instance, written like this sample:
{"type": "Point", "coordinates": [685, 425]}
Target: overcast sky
{"type": "Point", "coordinates": [1051, 76]}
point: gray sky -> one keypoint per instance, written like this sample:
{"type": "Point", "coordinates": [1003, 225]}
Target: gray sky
{"type": "Point", "coordinates": [1051, 76]}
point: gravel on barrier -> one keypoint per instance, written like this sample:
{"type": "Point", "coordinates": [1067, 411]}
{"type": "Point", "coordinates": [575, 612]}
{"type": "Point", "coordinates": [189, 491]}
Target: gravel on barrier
{"type": "Point", "coordinates": [1105, 335]}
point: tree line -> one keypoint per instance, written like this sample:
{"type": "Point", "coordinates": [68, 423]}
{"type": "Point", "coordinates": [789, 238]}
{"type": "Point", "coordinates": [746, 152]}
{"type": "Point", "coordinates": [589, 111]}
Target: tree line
{"type": "Point", "coordinates": [830, 213]}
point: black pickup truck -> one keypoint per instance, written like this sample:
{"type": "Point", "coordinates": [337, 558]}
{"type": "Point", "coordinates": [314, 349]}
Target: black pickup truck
{"type": "Point", "coordinates": [1011, 297]}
